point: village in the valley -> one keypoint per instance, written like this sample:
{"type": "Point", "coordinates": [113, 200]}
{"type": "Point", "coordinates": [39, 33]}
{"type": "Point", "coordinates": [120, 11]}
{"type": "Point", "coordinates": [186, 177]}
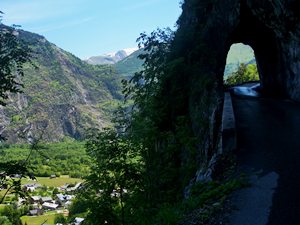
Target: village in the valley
{"type": "Point", "coordinates": [45, 200]}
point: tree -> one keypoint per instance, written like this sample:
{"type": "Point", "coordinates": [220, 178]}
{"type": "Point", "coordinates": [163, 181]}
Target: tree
{"type": "Point", "coordinates": [55, 191]}
{"type": "Point", "coordinates": [115, 178]}
{"type": "Point", "coordinates": [4, 221]}
{"type": "Point", "coordinates": [12, 173]}
{"type": "Point", "coordinates": [13, 54]}
{"type": "Point", "coordinates": [150, 141]}
{"type": "Point", "coordinates": [244, 73]}
{"type": "Point", "coordinates": [159, 122]}
{"type": "Point", "coordinates": [59, 218]}
{"type": "Point", "coordinates": [13, 214]}
{"type": "Point", "coordinates": [158, 119]}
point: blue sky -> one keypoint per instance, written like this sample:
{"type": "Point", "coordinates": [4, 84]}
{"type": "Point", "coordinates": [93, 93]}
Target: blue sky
{"type": "Point", "coordinates": [91, 27]}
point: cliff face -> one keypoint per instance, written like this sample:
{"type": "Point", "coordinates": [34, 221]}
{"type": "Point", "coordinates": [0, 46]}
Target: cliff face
{"type": "Point", "coordinates": [206, 30]}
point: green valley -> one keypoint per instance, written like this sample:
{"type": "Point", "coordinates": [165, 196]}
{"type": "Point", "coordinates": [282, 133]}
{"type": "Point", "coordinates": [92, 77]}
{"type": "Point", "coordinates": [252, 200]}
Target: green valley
{"type": "Point", "coordinates": [64, 158]}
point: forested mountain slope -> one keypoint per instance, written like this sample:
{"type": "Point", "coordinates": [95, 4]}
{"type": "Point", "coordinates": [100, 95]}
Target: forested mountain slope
{"type": "Point", "coordinates": [62, 95]}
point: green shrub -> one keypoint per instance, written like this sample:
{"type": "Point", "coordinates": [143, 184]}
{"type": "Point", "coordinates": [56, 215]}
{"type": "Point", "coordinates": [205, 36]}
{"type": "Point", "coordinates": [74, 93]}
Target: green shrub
{"type": "Point", "coordinates": [245, 73]}
{"type": "Point", "coordinates": [59, 218]}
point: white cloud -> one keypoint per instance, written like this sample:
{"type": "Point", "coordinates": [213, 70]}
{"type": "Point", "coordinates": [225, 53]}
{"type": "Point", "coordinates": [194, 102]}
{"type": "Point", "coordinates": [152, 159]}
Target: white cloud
{"type": "Point", "coordinates": [130, 50]}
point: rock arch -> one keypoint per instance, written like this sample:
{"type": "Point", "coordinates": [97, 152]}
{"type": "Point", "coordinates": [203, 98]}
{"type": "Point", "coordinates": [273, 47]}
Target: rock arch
{"type": "Point", "coordinates": [206, 30]}
{"type": "Point", "coordinates": [271, 28]}
{"type": "Point", "coordinates": [253, 31]}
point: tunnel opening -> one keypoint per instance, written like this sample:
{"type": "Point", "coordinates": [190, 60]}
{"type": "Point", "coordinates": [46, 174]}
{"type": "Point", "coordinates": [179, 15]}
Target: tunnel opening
{"type": "Point", "coordinates": [240, 66]}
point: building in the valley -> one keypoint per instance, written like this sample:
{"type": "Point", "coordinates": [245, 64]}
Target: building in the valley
{"type": "Point", "coordinates": [62, 199]}
{"type": "Point", "coordinates": [35, 199]}
{"type": "Point", "coordinates": [31, 187]}
{"type": "Point", "coordinates": [49, 206]}
{"type": "Point", "coordinates": [73, 188]}
{"type": "Point", "coordinates": [78, 220]}
{"type": "Point", "coordinates": [46, 199]}
{"type": "Point", "coordinates": [36, 212]}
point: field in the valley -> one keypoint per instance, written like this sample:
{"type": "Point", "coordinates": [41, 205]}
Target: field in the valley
{"type": "Point", "coordinates": [38, 220]}
{"type": "Point", "coordinates": [54, 182]}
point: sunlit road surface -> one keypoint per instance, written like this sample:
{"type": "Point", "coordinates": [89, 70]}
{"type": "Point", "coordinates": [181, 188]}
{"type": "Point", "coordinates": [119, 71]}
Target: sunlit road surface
{"type": "Point", "coordinates": [247, 90]}
{"type": "Point", "coordinates": [268, 148]}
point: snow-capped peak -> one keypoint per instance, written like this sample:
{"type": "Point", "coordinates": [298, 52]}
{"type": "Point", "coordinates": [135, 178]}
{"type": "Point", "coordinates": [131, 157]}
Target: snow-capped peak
{"type": "Point", "coordinates": [128, 51]}
{"type": "Point", "coordinates": [112, 57]}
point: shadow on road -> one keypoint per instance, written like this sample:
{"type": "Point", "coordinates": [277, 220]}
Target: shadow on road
{"type": "Point", "coordinates": [268, 140]}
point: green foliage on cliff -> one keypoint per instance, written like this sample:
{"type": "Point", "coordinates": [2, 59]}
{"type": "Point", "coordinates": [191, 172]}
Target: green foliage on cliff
{"type": "Point", "coordinates": [245, 73]}
{"type": "Point", "coordinates": [150, 123]}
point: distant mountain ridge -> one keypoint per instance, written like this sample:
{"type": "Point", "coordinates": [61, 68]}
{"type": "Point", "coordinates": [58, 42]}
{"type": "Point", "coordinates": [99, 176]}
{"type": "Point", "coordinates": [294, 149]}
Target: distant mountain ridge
{"type": "Point", "coordinates": [128, 66]}
{"type": "Point", "coordinates": [110, 58]}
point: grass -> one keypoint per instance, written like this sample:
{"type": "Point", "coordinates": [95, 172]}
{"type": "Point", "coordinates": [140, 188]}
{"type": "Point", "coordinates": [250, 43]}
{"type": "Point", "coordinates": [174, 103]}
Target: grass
{"type": "Point", "coordinates": [55, 182]}
{"type": "Point", "coordinates": [38, 220]}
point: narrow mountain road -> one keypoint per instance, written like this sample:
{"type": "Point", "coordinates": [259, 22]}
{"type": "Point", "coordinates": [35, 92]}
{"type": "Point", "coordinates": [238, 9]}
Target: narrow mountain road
{"type": "Point", "coordinates": [268, 148]}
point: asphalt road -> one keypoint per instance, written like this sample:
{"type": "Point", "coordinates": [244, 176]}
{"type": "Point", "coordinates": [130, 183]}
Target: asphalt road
{"type": "Point", "coordinates": [268, 147]}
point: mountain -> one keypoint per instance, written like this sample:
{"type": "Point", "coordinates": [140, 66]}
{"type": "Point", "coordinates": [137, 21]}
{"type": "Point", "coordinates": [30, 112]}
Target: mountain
{"type": "Point", "coordinates": [238, 53]}
{"type": "Point", "coordinates": [62, 95]}
{"type": "Point", "coordinates": [110, 58]}
{"type": "Point", "coordinates": [130, 65]}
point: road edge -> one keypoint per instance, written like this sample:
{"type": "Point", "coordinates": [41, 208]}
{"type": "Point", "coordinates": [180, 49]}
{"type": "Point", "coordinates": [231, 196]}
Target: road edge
{"type": "Point", "coordinates": [228, 125]}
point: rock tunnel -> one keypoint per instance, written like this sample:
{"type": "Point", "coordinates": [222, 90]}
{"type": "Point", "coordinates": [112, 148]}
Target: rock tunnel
{"type": "Point", "coordinates": [277, 78]}
{"type": "Point", "coordinates": [271, 28]}
{"type": "Point", "coordinates": [206, 31]}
